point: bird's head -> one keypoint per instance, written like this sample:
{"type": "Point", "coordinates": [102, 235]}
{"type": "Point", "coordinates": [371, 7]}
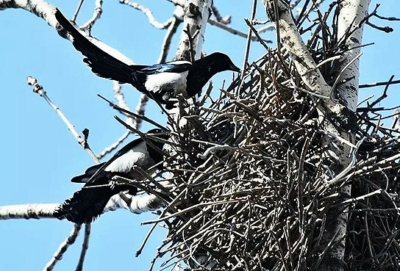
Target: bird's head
{"type": "Point", "coordinates": [222, 62]}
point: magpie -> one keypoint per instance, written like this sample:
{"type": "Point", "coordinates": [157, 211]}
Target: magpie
{"type": "Point", "coordinates": [89, 202]}
{"type": "Point", "coordinates": [161, 82]}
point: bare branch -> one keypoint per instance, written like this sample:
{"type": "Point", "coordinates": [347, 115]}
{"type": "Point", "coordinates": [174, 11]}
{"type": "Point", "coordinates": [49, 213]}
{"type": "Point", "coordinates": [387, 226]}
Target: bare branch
{"type": "Point", "coordinates": [232, 30]}
{"type": "Point", "coordinates": [39, 90]}
{"type": "Point", "coordinates": [115, 145]}
{"type": "Point", "coordinates": [168, 37]}
{"type": "Point", "coordinates": [78, 8]}
{"type": "Point", "coordinates": [63, 248]}
{"type": "Point", "coordinates": [85, 246]}
{"type": "Point", "coordinates": [146, 11]}
{"type": "Point", "coordinates": [27, 211]}
{"type": "Point", "coordinates": [96, 15]}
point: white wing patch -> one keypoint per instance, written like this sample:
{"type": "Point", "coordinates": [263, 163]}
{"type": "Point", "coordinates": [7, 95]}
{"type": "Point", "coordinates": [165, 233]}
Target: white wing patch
{"type": "Point", "coordinates": [158, 82]}
{"type": "Point", "coordinates": [124, 163]}
{"type": "Point", "coordinates": [179, 62]}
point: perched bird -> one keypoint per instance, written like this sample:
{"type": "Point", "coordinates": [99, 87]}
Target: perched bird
{"type": "Point", "coordinates": [161, 82]}
{"type": "Point", "coordinates": [89, 202]}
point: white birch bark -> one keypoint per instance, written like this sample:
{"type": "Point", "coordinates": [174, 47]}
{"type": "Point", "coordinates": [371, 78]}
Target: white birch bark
{"type": "Point", "coordinates": [351, 14]}
{"type": "Point", "coordinates": [27, 211]}
{"type": "Point", "coordinates": [133, 204]}
{"type": "Point", "coordinates": [340, 141]}
{"type": "Point", "coordinates": [196, 16]}
{"type": "Point", "coordinates": [40, 8]}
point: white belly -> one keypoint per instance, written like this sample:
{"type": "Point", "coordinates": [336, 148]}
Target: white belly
{"type": "Point", "coordinates": [167, 81]}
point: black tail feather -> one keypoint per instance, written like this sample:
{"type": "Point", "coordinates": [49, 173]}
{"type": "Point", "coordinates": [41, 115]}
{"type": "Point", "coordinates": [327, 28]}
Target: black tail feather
{"type": "Point", "coordinates": [85, 205]}
{"type": "Point", "coordinates": [101, 63]}
{"type": "Point", "coordinates": [89, 202]}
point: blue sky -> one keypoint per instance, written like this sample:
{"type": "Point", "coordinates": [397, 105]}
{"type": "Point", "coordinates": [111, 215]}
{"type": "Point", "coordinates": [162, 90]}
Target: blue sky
{"type": "Point", "coordinates": [40, 155]}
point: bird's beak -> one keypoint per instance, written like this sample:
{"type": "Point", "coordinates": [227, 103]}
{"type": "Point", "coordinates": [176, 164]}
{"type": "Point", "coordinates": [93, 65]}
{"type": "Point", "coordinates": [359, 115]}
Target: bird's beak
{"type": "Point", "coordinates": [234, 68]}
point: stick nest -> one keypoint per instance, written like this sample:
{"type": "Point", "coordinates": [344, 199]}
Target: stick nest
{"type": "Point", "coordinates": [254, 188]}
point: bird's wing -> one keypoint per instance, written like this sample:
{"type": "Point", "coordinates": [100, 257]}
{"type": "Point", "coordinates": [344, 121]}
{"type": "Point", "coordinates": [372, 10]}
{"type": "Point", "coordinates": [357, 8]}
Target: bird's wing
{"type": "Point", "coordinates": [88, 173]}
{"type": "Point", "coordinates": [108, 165]}
{"type": "Point", "coordinates": [173, 67]}
{"type": "Point", "coordinates": [102, 63]}
{"type": "Point", "coordinates": [89, 202]}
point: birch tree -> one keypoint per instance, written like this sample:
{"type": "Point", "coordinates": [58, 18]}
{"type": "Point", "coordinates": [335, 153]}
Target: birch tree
{"type": "Point", "coordinates": [282, 167]}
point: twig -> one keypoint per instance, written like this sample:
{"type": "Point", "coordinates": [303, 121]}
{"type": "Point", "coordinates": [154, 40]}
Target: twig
{"type": "Point", "coordinates": [247, 50]}
{"type": "Point", "coordinates": [96, 15]}
{"type": "Point", "coordinates": [39, 90]}
{"type": "Point", "coordinates": [139, 251]}
{"type": "Point", "coordinates": [85, 246]}
{"type": "Point", "coordinates": [116, 107]}
{"type": "Point", "coordinates": [385, 83]}
{"type": "Point", "coordinates": [187, 210]}
{"type": "Point", "coordinates": [63, 248]}
{"type": "Point", "coordinates": [263, 43]}
{"type": "Point", "coordinates": [234, 31]}
{"type": "Point", "coordinates": [384, 94]}
{"type": "Point", "coordinates": [167, 39]}
{"type": "Point", "coordinates": [146, 11]}
{"type": "Point", "coordinates": [217, 15]}
{"type": "Point", "coordinates": [78, 8]}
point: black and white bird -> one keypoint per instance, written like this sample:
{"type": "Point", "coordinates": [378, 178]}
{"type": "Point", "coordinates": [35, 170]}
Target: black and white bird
{"type": "Point", "coordinates": [161, 82]}
{"type": "Point", "coordinates": [89, 202]}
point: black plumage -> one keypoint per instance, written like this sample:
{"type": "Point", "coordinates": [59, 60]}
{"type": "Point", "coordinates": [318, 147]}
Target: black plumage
{"type": "Point", "coordinates": [161, 82]}
{"type": "Point", "coordinates": [89, 202]}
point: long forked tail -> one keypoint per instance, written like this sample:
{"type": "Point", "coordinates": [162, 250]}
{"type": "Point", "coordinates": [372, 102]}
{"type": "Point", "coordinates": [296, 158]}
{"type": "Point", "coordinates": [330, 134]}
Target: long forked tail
{"type": "Point", "coordinates": [101, 63]}
{"type": "Point", "coordinates": [85, 205]}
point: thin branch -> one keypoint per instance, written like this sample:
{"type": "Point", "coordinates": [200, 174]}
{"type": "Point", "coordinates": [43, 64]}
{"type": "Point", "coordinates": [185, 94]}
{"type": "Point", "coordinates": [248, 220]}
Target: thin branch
{"type": "Point", "coordinates": [78, 8]}
{"type": "Point", "coordinates": [85, 246]}
{"type": "Point", "coordinates": [98, 10]}
{"type": "Point", "coordinates": [63, 248]}
{"type": "Point", "coordinates": [39, 90]}
{"type": "Point", "coordinates": [167, 39]}
{"type": "Point", "coordinates": [116, 107]}
{"type": "Point", "coordinates": [377, 84]}
{"type": "Point", "coordinates": [147, 12]}
{"type": "Point", "coordinates": [234, 31]}
{"type": "Point", "coordinates": [263, 43]}
{"type": "Point", "coordinates": [115, 145]}
{"type": "Point", "coordinates": [247, 50]}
